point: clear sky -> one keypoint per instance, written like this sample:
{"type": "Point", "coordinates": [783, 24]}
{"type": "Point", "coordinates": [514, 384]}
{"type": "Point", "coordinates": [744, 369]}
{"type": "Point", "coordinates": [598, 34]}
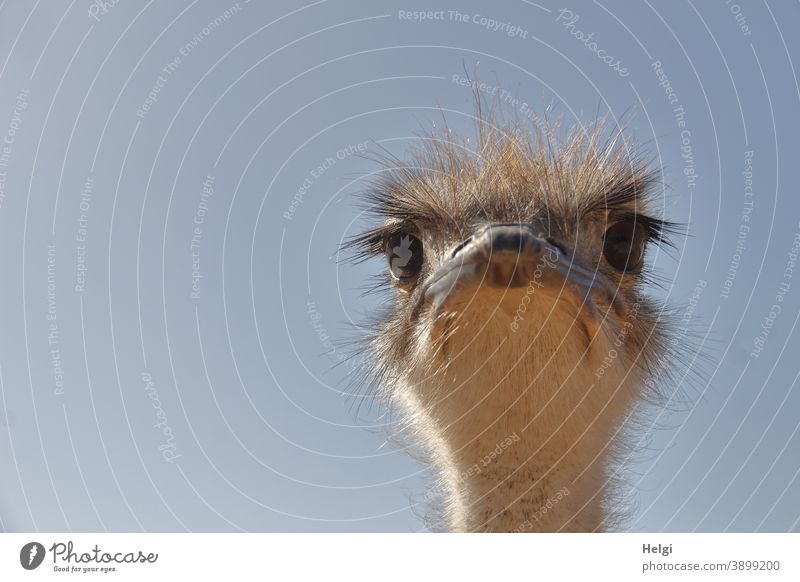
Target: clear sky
{"type": "Point", "coordinates": [176, 177]}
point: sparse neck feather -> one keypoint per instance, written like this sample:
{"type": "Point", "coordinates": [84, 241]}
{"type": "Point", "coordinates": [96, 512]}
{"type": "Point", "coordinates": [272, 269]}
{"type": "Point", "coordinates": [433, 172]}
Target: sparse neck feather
{"type": "Point", "coordinates": [525, 478]}
{"type": "Point", "coordinates": [523, 440]}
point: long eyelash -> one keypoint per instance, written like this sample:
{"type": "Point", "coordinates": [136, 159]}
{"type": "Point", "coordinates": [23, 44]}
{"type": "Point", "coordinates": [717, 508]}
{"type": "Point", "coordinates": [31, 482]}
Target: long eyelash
{"type": "Point", "coordinates": [370, 244]}
{"type": "Point", "coordinates": [657, 229]}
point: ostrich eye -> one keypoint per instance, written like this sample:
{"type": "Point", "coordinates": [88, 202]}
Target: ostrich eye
{"type": "Point", "coordinates": [404, 254]}
{"type": "Point", "coordinates": [624, 245]}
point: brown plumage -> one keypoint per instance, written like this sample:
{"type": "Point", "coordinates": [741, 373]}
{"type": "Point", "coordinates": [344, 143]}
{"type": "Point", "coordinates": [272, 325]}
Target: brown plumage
{"type": "Point", "coordinates": [518, 315]}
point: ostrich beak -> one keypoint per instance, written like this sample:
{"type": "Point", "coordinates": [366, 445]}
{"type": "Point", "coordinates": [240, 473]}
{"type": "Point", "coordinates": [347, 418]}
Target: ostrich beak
{"type": "Point", "coordinates": [509, 256]}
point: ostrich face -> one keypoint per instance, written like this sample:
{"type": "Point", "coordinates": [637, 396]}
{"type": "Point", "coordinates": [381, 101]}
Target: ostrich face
{"type": "Point", "coordinates": [503, 263]}
{"type": "Point", "coordinates": [515, 265]}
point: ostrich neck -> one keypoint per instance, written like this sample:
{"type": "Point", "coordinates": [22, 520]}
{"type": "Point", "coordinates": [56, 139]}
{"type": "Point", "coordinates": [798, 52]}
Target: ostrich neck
{"type": "Point", "coordinates": [517, 455]}
{"type": "Point", "coordinates": [518, 478]}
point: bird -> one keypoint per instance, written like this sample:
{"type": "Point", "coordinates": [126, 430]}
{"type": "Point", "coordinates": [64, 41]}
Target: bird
{"type": "Point", "coordinates": [519, 336]}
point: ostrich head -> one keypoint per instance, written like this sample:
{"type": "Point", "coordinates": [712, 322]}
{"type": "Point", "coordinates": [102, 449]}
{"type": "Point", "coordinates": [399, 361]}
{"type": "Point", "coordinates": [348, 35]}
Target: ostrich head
{"type": "Point", "coordinates": [518, 340]}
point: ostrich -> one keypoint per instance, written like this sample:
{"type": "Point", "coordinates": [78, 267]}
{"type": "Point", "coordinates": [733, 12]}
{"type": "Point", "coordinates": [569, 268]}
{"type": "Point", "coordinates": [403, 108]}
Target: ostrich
{"type": "Point", "coordinates": [518, 343]}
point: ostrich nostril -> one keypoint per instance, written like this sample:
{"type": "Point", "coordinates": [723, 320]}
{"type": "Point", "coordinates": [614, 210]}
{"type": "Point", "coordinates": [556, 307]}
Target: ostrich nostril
{"type": "Point", "coordinates": [556, 244]}
{"type": "Point", "coordinates": [460, 246]}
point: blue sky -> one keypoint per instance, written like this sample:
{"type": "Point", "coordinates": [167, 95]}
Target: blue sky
{"type": "Point", "coordinates": [176, 178]}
